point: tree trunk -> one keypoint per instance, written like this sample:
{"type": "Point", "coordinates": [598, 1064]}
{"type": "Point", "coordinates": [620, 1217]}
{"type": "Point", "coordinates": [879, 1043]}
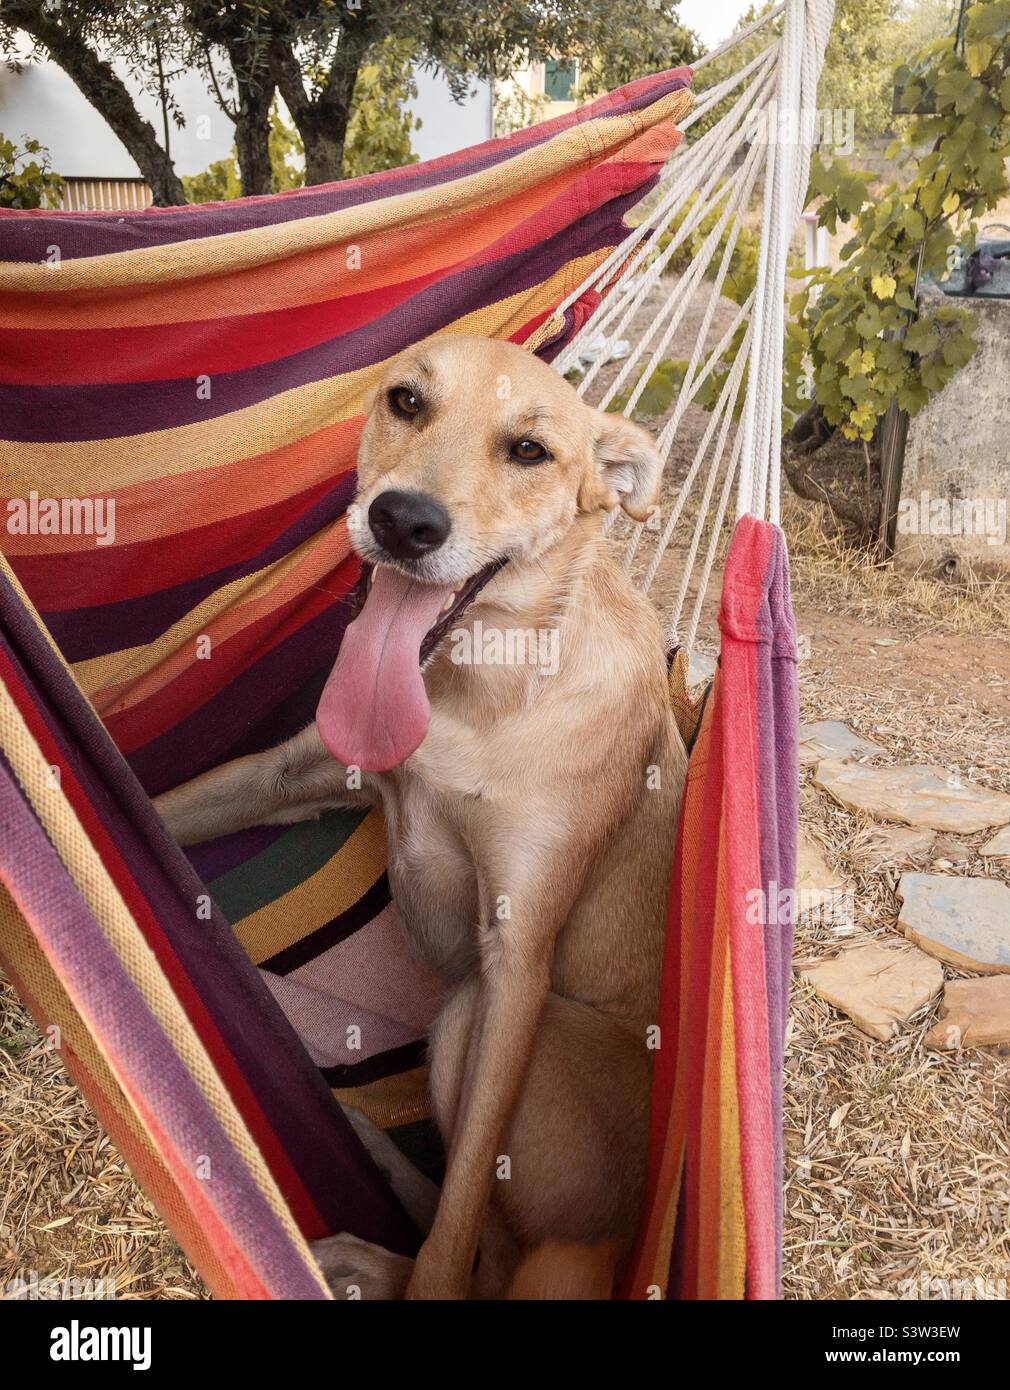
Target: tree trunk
{"type": "Point", "coordinates": [252, 126]}
{"type": "Point", "coordinates": [322, 122]}
{"type": "Point", "coordinates": [324, 134]}
{"type": "Point", "coordinates": [110, 97]}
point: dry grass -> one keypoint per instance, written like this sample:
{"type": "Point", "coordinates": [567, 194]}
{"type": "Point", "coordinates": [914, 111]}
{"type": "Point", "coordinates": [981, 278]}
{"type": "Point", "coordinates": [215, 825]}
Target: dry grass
{"type": "Point", "coordinates": [69, 1207]}
{"type": "Point", "coordinates": [840, 579]}
{"type": "Point", "coordinates": [897, 1157]}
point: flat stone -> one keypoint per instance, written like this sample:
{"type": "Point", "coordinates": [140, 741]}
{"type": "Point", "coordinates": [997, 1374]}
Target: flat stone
{"type": "Point", "coordinates": [818, 886]}
{"type": "Point", "coordinates": [999, 846]}
{"type": "Point", "coordinates": [879, 987]}
{"type": "Point", "coordinates": [889, 843]}
{"type": "Point", "coordinates": [964, 921]}
{"type": "Point", "coordinates": [951, 850]}
{"type": "Point", "coordinates": [973, 1013]}
{"type": "Point", "coordinates": [922, 795]}
{"type": "Point", "coordinates": [830, 738]}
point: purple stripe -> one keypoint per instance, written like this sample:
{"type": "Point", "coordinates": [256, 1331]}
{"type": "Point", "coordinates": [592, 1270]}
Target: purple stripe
{"type": "Point", "coordinates": [114, 1010]}
{"type": "Point", "coordinates": [217, 857]}
{"type": "Point", "coordinates": [61, 414]}
{"type": "Point", "coordinates": [778, 801]}
{"type": "Point", "coordinates": [27, 238]}
{"type": "Point", "coordinates": [335, 1169]}
{"type": "Point", "coordinates": [82, 633]}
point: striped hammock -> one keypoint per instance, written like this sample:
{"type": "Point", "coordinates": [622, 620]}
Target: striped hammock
{"type": "Point", "coordinates": [201, 371]}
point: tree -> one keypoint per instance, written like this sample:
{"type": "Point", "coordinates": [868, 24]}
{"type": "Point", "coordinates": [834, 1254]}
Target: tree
{"type": "Point", "coordinates": [313, 52]}
{"type": "Point", "coordinates": [26, 180]}
{"type": "Point", "coordinates": [868, 39]}
{"type": "Point", "coordinates": [69, 35]}
{"type": "Point", "coordinates": [378, 136]}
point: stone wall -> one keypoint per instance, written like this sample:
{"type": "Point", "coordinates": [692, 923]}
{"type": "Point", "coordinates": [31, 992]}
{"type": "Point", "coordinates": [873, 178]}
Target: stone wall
{"type": "Point", "coordinates": [955, 489]}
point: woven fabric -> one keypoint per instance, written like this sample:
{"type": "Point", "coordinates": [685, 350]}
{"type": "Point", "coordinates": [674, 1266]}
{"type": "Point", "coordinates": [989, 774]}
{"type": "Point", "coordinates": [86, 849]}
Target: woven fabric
{"type": "Point", "coordinates": [712, 1225]}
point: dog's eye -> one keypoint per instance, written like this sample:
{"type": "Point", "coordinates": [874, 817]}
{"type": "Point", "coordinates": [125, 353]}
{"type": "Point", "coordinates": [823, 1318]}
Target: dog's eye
{"type": "Point", "coordinates": [404, 402]}
{"type": "Point", "coordinates": [528, 451]}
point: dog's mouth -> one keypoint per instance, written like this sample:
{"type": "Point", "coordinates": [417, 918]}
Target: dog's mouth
{"type": "Point", "coordinates": [374, 712]}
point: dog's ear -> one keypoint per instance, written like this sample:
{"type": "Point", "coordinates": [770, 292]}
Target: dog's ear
{"type": "Point", "coordinates": [627, 467]}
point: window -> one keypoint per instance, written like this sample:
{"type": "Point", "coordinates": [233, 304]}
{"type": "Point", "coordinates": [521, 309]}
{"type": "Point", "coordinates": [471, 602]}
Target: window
{"type": "Point", "coordinates": [559, 79]}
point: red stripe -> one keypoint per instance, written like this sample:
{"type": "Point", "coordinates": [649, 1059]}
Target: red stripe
{"type": "Point", "coordinates": [169, 351]}
{"type": "Point", "coordinates": [701, 928]}
{"type": "Point", "coordinates": [303, 1208]}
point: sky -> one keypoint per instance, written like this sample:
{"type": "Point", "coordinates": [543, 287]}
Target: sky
{"type": "Point", "coordinates": [713, 20]}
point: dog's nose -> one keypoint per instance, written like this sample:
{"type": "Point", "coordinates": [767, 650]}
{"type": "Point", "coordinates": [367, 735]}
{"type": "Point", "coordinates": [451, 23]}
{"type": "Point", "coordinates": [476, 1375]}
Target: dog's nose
{"type": "Point", "coordinates": [408, 524]}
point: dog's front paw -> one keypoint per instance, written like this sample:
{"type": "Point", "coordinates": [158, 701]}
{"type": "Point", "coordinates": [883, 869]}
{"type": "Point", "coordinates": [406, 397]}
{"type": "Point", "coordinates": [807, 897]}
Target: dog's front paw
{"type": "Point", "coordinates": [356, 1269]}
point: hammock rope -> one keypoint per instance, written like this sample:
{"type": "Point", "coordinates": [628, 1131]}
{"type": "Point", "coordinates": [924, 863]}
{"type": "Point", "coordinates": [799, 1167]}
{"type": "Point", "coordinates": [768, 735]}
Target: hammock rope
{"type": "Point", "coordinates": [772, 116]}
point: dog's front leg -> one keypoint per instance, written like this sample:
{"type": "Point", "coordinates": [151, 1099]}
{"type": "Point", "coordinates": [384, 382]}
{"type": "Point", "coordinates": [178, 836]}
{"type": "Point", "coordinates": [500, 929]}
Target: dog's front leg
{"type": "Point", "coordinates": [519, 926]}
{"type": "Point", "coordinates": [295, 781]}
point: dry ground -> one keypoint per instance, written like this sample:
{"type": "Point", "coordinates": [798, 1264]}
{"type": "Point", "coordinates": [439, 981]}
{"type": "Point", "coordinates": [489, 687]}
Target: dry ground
{"type": "Point", "coordinates": [897, 1158]}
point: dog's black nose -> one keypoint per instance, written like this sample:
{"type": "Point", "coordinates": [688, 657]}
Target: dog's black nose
{"type": "Point", "coordinates": [408, 524]}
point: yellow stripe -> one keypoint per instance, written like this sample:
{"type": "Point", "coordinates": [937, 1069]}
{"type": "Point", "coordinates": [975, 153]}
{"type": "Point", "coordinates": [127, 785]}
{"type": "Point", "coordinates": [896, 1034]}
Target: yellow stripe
{"type": "Point", "coordinates": [394, 1100]}
{"type": "Point", "coordinates": [732, 1234]}
{"type": "Point", "coordinates": [106, 905]}
{"type": "Point", "coordinates": [331, 890]}
{"type": "Point", "coordinates": [235, 251]}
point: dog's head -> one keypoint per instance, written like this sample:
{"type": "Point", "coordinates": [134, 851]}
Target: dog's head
{"type": "Point", "coordinates": [473, 452]}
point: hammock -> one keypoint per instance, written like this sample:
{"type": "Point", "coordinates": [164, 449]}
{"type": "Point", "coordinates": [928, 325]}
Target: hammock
{"type": "Point", "coordinates": [203, 369]}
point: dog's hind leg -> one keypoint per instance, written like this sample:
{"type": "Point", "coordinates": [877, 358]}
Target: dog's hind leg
{"type": "Point", "coordinates": [570, 1193]}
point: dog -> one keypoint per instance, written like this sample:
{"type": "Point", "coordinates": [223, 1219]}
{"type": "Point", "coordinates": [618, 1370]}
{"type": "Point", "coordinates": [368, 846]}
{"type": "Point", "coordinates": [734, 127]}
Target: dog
{"type": "Point", "coordinates": [530, 808]}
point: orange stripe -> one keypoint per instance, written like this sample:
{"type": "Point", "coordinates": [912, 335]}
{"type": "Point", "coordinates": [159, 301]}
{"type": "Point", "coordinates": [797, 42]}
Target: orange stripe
{"type": "Point", "coordinates": [710, 1140]}
{"type": "Point", "coordinates": [167, 506]}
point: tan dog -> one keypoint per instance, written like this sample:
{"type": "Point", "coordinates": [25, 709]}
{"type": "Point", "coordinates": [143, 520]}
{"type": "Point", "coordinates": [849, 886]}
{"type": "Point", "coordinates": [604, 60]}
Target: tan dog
{"type": "Point", "coordinates": [530, 811]}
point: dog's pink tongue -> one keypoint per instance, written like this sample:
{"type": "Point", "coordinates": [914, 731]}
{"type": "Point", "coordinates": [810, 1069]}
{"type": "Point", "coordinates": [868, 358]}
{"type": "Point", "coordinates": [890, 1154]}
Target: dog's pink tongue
{"type": "Point", "coordinates": [373, 711]}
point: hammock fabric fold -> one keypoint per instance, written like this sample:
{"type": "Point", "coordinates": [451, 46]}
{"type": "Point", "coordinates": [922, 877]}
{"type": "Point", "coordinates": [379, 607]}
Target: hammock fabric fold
{"type": "Point", "coordinates": [202, 372]}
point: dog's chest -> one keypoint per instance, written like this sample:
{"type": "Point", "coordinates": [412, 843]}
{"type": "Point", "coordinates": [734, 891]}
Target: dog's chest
{"type": "Point", "coordinates": [432, 876]}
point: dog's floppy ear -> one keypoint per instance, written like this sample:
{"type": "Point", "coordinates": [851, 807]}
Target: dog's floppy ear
{"type": "Point", "coordinates": [627, 466]}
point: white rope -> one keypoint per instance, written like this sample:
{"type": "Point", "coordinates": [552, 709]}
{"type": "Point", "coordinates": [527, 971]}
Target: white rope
{"type": "Point", "coordinates": [687, 173]}
{"type": "Point", "coordinates": [726, 402]}
{"type": "Point", "coordinates": [774, 102]}
{"type": "Point", "coordinates": [789, 132]}
{"type": "Point", "coordinates": [737, 38]}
